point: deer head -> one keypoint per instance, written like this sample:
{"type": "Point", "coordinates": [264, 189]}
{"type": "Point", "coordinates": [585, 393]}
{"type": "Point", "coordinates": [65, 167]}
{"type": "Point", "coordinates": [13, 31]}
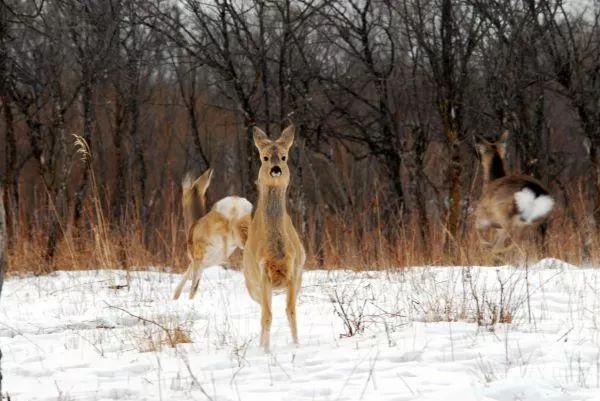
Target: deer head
{"type": "Point", "coordinates": [274, 157]}
{"type": "Point", "coordinates": [493, 156]}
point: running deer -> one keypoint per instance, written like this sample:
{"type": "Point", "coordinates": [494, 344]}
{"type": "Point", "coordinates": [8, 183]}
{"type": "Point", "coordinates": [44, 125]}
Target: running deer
{"type": "Point", "coordinates": [211, 237]}
{"type": "Point", "coordinates": [274, 256]}
{"type": "Point", "coordinates": [509, 203]}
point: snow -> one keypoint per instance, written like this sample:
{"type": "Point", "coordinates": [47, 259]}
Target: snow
{"type": "Point", "coordinates": [77, 336]}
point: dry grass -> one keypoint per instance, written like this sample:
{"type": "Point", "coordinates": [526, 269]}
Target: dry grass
{"type": "Point", "coordinates": [154, 340]}
{"type": "Point", "coordinates": [157, 334]}
{"type": "Point", "coordinates": [374, 238]}
{"type": "Point", "coordinates": [346, 243]}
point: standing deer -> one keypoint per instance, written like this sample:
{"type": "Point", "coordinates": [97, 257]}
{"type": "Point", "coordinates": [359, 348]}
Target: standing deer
{"type": "Point", "coordinates": [211, 237]}
{"type": "Point", "coordinates": [274, 256]}
{"type": "Point", "coordinates": [509, 203]}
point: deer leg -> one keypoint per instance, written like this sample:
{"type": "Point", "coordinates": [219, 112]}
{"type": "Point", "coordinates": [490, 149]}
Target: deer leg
{"type": "Point", "coordinates": [186, 275]}
{"type": "Point", "coordinates": [266, 315]}
{"type": "Point", "coordinates": [542, 237]}
{"type": "Point", "coordinates": [501, 237]}
{"type": "Point", "coordinates": [213, 254]}
{"type": "Point", "coordinates": [480, 237]}
{"type": "Point", "coordinates": [196, 276]}
{"type": "Point", "coordinates": [252, 287]}
{"type": "Point", "coordinates": [499, 241]}
{"type": "Point", "coordinates": [291, 309]}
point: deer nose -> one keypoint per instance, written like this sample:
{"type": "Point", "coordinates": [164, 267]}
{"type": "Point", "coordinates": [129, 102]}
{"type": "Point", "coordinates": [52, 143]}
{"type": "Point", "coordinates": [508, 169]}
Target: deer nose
{"type": "Point", "coordinates": [275, 171]}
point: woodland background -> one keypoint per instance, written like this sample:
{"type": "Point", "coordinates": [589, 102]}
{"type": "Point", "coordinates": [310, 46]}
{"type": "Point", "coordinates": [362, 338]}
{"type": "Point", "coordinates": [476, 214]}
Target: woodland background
{"type": "Point", "coordinates": [386, 96]}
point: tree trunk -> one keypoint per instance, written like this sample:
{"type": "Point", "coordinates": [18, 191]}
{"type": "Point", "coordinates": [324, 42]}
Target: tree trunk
{"type": "Point", "coordinates": [454, 173]}
{"type": "Point", "coordinates": [413, 163]}
{"type": "Point", "coordinates": [448, 102]}
{"type": "Point", "coordinates": [595, 159]}
{"type": "Point", "coordinates": [119, 198]}
{"type": "Point", "coordinates": [592, 132]}
{"type": "Point", "coordinates": [3, 243]}
{"type": "Point", "coordinates": [61, 171]}
{"type": "Point", "coordinates": [140, 164]}
{"type": "Point", "coordinates": [594, 219]}
{"type": "Point", "coordinates": [86, 103]}
{"type": "Point", "coordinates": [135, 135]}
{"type": "Point", "coordinates": [193, 116]}
{"type": "Point", "coordinates": [10, 196]}
{"type": "Point", "coordinates": [251, 173]}
{"type": "Point", "coordinates": [393, 163]}
{"type": "Point", "coordinates": [591, 223]}
{"type": "Point", "coordinates": [11, 192]}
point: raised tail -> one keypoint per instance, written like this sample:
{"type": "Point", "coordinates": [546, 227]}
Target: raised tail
{"type": "Point", "coordinates": [533, 206]}
{"type": "Point", "coordinates": [193, 199]}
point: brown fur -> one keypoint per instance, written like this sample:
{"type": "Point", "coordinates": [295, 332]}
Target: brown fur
{"type": "Point", "coordinates": [211, 238]}
{"type": "Point", "coordinates": [497, 208]}
{"type": "Point", "coordinates": [274, 256]}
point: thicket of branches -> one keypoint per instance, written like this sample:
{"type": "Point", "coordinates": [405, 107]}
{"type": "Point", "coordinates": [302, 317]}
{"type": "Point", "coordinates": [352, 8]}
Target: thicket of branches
{"type": "Point", "coordinates": [386, 96]}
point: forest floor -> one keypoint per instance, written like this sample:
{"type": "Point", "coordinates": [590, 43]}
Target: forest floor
{"type": "Point", "coordinates": [424, 333]}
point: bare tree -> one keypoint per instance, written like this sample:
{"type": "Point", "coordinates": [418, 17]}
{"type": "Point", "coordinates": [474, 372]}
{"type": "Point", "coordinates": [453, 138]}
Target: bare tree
{"type": "Point", "coordinates": [362, 51]}
{"type": "Point", "coordinates": [189, 78]}
{"type": "Point", "coordinates": [514, 84]}
{"type": "Point", "coordinates": [92, 31]}
{"type": "Point", "coordinates": [3, 245]}
{"type": "Point", "coordinates": [41, 93]}
{"type": "Point", "coordinates": [219, 35]}
{"type": "Point", "coordinates": [572, 49]}
{"type": "Point", "coordinates": [448, 32]}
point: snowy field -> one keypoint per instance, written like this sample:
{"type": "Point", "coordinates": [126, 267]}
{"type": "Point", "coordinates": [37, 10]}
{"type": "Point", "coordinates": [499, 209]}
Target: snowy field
{"type": "Point", "coordinates": [412, 335]}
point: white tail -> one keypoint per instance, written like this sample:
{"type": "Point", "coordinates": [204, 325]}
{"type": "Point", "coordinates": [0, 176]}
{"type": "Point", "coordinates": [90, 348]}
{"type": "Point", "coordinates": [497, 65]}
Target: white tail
{"type": "Point", "coordinates": [233, 207]}
{"type": "Point", "coordinates": [532, 207]}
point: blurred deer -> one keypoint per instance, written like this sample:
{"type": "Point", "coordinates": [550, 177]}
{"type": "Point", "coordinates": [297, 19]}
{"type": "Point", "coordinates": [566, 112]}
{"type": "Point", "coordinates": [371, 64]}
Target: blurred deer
{"type": "Point", "coordinates": [509, 203]}
{"type": "Point", "coordinates": [211, 237]}
{"type": "Point", "coordinates": [274, 256]}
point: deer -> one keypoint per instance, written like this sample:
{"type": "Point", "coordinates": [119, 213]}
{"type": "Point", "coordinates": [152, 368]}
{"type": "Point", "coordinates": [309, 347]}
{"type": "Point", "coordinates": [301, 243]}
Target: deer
{"type": "Point", "coordinates": [509, 203]}
{"type": "Point", "coordinates": [273, 256]}
{"type": "Point", "coordinates": [211, 237]}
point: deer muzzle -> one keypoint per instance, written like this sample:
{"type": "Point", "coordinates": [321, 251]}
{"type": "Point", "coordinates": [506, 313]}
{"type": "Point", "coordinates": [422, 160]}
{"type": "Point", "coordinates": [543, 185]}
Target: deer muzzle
{"type": "Point", "coordinates": [275, 171]}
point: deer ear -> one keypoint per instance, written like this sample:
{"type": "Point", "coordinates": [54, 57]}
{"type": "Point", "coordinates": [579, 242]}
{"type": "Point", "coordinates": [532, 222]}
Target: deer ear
{"type": "Point", "coordinates": [260, 138]}
{"type": "Point", "coordinates": [502, 143]}
{"type": "Point", "coordinates": [503, 139]}
{"type": "Point", "coordinates": [287, 137]}
{"type": "Point", "coordinates": [480, 148]}
{"type": "Point", "coordinates": [481, 144]}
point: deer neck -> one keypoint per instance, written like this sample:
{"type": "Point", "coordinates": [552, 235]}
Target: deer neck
{"type": "Point", "coordinates": [271, 203]}
{"type": "Point", "coordinates": [493, 169]}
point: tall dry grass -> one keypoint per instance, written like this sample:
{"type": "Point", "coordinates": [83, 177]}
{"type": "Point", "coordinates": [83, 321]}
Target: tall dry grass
{"type": "Point", "coordinates": [369, 236]}
{"type": "Point", "coordinates": [357, 240]}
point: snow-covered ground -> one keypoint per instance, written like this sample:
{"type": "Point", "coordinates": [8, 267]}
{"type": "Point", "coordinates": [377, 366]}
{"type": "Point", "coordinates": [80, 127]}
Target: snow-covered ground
{"type": "Point", "coordinates": [104, 335]}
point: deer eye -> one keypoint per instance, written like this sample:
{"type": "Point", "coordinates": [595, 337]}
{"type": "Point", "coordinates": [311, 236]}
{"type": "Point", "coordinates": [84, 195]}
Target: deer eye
{"type": "Point", "coordinates": [283, 158]}
{"type": "Point", "coordinates": [266, 158]}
